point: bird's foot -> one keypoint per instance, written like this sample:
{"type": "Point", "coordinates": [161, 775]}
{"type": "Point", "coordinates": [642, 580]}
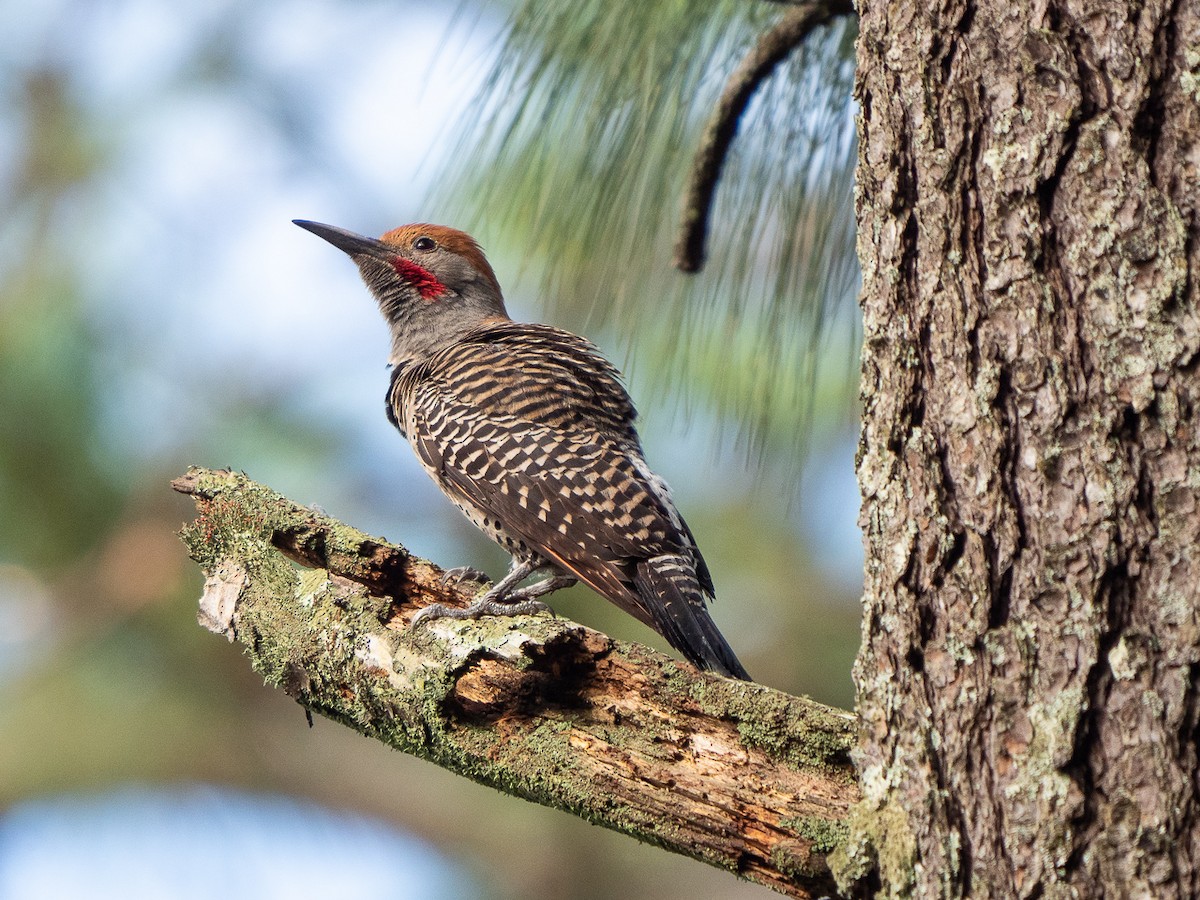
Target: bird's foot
{"type": "Point", "coordinates": [464, 574]}
{"type": "Point", "coordinates": [542, 588]}
{"type": "Point", "coordinates": [484, 606]}
{"type": "Point", "coordinates": [500, 599]}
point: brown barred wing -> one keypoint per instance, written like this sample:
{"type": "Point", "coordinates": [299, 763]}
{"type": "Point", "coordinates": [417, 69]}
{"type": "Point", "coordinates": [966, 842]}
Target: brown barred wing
{"type": "Point", "coordinates": [569, 499]}
{"type": "Point", "coordinates": [579, 497]}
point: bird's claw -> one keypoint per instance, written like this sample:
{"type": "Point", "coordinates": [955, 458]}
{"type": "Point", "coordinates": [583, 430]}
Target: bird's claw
{"type": "Point", "coordinates": [481, 607]}
{"type": "Point", "coordinates": [517, 608]}
{"type": "Point", "coordinates": [526, 606]}
{"type": "Point", "coordinates": [435, 611]}
{"type": "Point", "coordinates": [463, 574]}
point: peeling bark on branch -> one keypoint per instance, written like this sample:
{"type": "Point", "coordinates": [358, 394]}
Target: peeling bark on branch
{"type": "Point", "coordinates": [737, 775]}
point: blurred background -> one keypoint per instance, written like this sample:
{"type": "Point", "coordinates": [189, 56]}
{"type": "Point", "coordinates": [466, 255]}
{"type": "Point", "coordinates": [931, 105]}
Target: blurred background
{"type": "Point", "coordinates": [158, 309]}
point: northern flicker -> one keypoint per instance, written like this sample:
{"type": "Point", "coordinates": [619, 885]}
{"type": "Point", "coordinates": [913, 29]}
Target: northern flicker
{"type": "Point", "coordinates": [529, 431]}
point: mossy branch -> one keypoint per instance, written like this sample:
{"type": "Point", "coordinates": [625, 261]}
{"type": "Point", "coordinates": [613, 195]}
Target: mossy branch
{"type": "Point", "coordinates": [741, 776]}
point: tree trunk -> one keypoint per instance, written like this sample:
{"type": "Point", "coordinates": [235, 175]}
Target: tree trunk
{"type": "Point", "coordinates": [1030, 454]}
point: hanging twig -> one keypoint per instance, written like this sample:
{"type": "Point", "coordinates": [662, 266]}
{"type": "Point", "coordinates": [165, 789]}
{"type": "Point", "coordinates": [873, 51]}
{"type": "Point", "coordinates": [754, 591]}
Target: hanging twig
{"type": "Point", "coordinates": [772, 48]}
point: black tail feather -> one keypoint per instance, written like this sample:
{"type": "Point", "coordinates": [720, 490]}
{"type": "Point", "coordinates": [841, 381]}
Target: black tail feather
{"type": "Point", "coordinates": [669, 589]}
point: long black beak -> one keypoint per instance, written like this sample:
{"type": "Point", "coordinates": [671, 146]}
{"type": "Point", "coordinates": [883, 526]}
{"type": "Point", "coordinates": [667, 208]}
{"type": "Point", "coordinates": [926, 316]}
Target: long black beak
{"type": "Point", "coordinates": [347, 241]}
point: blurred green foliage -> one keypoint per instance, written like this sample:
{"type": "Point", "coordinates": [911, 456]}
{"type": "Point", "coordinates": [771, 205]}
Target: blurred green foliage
{"type": "Point", "coordinates": [60, 490]}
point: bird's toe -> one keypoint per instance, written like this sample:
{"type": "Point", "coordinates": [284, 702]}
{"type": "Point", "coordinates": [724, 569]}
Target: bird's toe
{"type": "Point", "coordinates": [463, 575]}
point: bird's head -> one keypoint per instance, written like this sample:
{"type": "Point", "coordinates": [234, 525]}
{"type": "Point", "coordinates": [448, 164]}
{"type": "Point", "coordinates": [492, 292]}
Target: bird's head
{"type": "Point", "coordinates": [433, 283]}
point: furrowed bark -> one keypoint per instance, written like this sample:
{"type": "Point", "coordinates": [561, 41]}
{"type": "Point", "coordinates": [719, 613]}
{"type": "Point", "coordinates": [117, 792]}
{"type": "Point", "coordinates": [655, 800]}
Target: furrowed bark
{"type": "Point", "coordinates": [1029, 680]}
{"type": "Point", "coordinates": [738, 775]}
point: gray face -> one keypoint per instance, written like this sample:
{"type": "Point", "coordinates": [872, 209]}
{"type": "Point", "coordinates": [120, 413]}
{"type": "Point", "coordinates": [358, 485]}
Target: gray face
{"type": "Point", "coordinates": [432, 284]}
{"type": "Point", "coordinates": [452, 270]}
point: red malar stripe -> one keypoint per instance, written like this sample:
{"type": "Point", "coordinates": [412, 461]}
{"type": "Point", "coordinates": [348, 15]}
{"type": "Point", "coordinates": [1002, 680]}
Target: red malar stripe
{"type": "Point", "coordinates": [419, 277]}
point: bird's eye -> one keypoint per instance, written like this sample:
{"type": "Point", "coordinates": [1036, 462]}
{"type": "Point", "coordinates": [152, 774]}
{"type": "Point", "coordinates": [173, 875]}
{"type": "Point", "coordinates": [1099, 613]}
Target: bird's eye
{"type": "Point", "coordinates": [424, 243]}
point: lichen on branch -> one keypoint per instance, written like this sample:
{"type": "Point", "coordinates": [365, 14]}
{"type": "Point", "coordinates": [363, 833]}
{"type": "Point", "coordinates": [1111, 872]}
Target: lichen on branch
{"type": "Point", "coordinates": [738, 775]}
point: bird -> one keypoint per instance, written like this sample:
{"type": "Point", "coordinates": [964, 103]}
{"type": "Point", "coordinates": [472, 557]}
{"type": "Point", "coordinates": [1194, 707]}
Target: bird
{"type": "Point", "coordinates": [529, 431]}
